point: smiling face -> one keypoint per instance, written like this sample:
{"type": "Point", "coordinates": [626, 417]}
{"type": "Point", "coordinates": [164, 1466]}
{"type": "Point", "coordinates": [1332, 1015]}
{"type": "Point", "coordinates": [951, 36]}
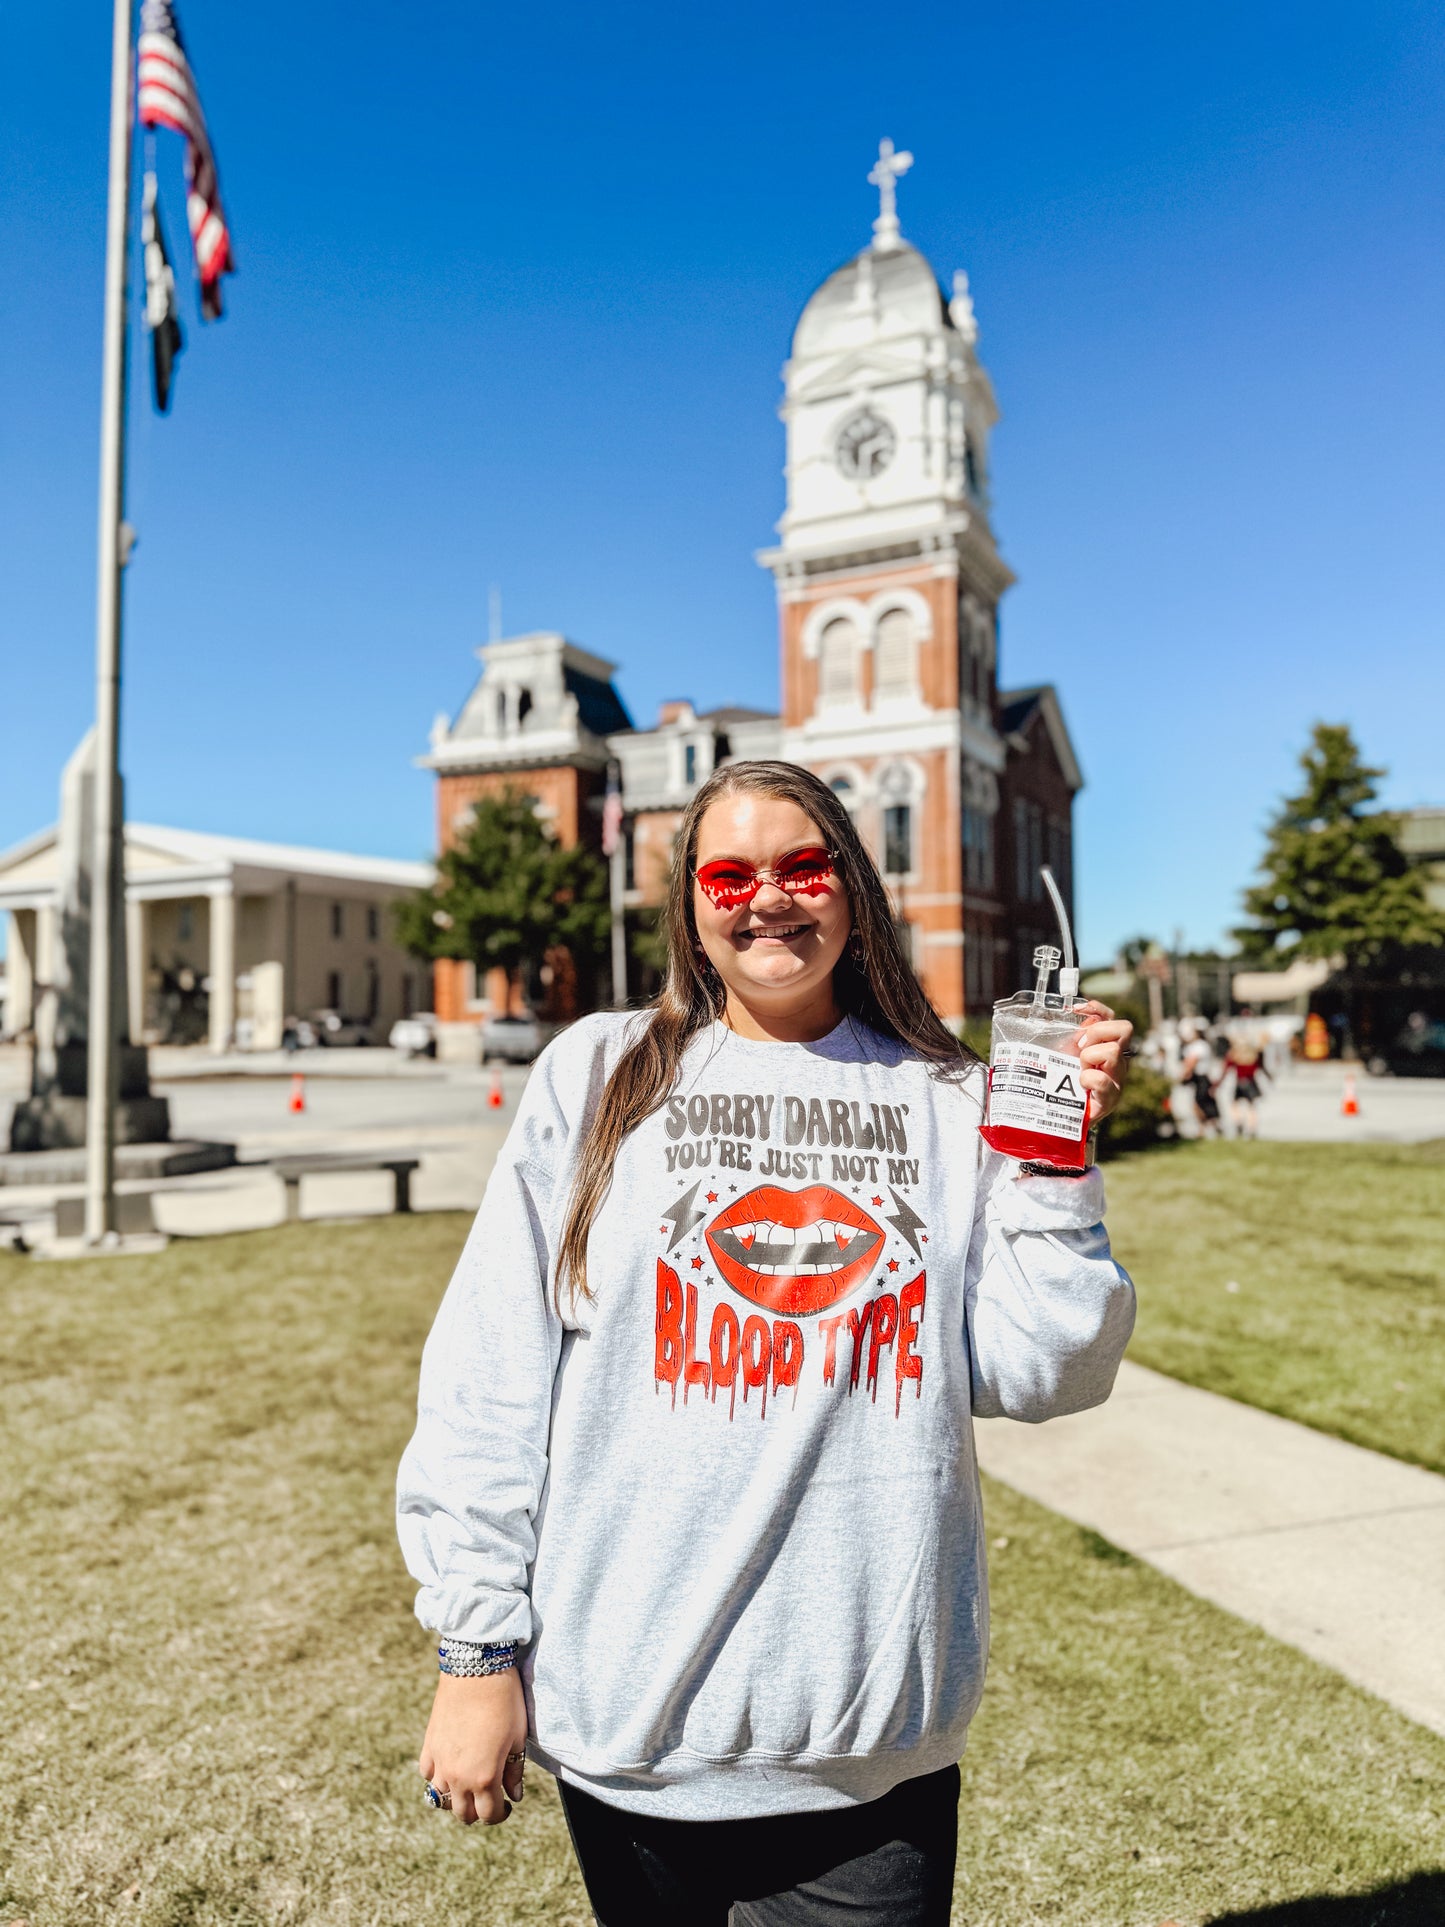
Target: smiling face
{"type": "Point", "coordinates": [777, 953]}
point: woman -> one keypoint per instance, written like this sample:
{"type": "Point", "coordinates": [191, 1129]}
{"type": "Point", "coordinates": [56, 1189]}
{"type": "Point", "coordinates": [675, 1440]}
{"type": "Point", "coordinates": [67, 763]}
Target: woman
{"type": "Point", "coordinates": [1197, 1075]}
{"type": "Point", "coordinates": [692, 1497]}
{"type": "Point", "coordinates": [1246, 1060]}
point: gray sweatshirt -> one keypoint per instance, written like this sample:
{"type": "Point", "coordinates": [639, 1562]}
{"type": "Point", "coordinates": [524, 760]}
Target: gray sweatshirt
{"type": "Point", "coordinates": [731, 1503]}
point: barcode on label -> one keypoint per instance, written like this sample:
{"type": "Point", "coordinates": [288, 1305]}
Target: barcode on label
{"type": "Point", "coordinates": [1036, 1090]}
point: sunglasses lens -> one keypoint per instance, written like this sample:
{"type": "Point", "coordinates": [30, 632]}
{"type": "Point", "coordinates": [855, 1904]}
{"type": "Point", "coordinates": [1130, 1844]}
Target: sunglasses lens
{"type": "Point", "coordinates": [805, 869]}
{"type": "Point", "coordinates": [727, 884]}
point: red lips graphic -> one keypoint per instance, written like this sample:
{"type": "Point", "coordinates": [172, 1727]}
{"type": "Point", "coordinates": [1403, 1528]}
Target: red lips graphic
{"type": "Point", "coordinates": [794, 1251]}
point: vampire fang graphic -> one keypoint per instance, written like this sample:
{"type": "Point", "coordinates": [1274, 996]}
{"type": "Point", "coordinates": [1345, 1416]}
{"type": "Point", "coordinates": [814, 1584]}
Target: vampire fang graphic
{"type": "Point", "coordinates": [795, 1252]}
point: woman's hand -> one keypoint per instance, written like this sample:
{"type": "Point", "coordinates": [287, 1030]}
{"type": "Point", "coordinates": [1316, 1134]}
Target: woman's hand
{"type": "Point", "coordinates": [1104, 1052]}
{"type": "Point", "coordinates": [473, 1746]}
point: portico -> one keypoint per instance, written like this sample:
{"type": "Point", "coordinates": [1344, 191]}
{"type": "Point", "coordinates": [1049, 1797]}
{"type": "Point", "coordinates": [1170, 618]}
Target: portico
{"type": "Point", "coordinates": [225, 937]}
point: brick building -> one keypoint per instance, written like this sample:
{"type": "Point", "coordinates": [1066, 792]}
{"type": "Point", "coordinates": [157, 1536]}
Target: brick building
{"type": "Point", "coordinates": [888, 581]}
{"type": "Point", "coordinates": [538, 721]}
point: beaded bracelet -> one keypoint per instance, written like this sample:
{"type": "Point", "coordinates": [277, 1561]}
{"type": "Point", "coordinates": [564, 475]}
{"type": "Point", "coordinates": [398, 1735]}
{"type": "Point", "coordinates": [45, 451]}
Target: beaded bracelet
{"type": "Point", "coordinates": [470, 1659]}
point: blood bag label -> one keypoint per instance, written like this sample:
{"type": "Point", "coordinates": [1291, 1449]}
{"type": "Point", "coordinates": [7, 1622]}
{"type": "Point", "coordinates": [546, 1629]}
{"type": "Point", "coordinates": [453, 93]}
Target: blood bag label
{"type": "Point", "coordinates": [1036, 1090]}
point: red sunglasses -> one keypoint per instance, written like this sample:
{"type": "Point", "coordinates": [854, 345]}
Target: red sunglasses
{"type": "Point", "coordinates": [728, 882]}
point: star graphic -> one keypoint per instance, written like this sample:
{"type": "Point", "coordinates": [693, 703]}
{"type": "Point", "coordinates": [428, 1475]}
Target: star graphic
{"type": "Point", "coordinates": [925, 1237]}
{"type": "Point", "coordinates": [712, 1197]}
{"type": "Point", "coordinates": [893, 1264]}
{"type": "Point", "coordinates": [878, 1201]}
{"type": "Point", "coordinates": [697, 1264]}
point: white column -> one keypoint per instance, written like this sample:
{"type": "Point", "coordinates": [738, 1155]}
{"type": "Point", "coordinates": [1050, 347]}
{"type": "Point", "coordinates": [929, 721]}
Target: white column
{"type": "Point", "coordinates": [20, 974]}
{"type": "Point", "coordinates": [222, 968]}
{"type": "Point", "coordinates": [137, 966]}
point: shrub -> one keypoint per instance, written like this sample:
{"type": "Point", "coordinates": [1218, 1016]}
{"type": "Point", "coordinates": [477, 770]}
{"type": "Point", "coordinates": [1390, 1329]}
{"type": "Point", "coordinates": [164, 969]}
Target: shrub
{"type": "Point", "coordinates": [1134, 1126]}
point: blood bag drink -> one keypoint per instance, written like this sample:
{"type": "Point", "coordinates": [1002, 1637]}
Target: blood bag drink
{"type": "Point", "coordinates": [1038, 1110]}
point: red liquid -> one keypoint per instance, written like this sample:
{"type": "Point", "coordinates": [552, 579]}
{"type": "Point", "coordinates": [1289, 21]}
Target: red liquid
{"type": "Point", "coordinates": [1039, 1147]}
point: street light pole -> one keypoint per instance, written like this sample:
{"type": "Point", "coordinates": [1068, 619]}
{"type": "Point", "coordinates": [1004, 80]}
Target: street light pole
{"type": "Point", "coordinates": [107, 869]}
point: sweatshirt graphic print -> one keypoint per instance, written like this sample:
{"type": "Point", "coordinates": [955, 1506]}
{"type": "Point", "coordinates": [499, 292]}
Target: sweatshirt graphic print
{"type": "Point", "coordinates": [802, 1258]}
{"type": "Point", "coordinates": [730, 1502]}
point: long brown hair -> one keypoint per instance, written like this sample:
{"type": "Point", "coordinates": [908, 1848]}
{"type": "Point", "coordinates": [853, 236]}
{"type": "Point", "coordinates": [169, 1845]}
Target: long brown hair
{"type": "Point", "coordinates": [872, 981]}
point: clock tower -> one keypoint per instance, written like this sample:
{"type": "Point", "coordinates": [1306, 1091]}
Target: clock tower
{"type": "Point", "coordinates": [888, 582]}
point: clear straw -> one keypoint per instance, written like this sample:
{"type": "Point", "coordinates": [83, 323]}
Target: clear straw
{"type": "Point", "coordinates": [1062, 914]}
{"type": "Point", "coordinates": [1068, 976]}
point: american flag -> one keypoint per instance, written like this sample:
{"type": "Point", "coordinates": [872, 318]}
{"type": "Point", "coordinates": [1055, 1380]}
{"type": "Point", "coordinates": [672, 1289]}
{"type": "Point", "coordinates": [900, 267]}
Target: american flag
{"type": "Point", "coordinates": [168, 98]}
{"type": "Point", "coordinates": [612, 813]}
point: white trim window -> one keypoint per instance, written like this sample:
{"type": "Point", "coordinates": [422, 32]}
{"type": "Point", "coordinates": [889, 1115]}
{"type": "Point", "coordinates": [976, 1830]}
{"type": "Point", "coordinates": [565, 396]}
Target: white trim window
{"type": "Point", "coordinates": [898, 791]}
{"type": "Point", "coordinates": [894, 653]}
{"type": "Point", "coordinates": [838, 664]}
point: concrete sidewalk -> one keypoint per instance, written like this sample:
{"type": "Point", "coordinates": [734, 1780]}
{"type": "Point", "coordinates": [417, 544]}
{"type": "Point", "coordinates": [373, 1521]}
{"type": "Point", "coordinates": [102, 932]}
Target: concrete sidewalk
{"type": "Point", "coordinates": [1336, 1550]}
{"type": "Point", "coordinates": [1305, 1106]}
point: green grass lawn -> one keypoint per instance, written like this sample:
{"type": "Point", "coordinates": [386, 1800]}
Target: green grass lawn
{"type": "Point", "coordinates": [1336, 1256]}
{"type": "Point", "coordinates": [214, 1689]}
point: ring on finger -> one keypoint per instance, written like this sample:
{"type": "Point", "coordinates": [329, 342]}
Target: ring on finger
{"type": "Point", "coordinates": [437, 1797]}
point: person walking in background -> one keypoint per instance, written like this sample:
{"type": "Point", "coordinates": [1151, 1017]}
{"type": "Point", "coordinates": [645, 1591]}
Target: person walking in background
{"type": "Point", "coordinates": [1196, 1074]}
{"type": "Point", "coordinates": [1244, 1060]}
{"type": "Point", "coordinates": [692, 1498]}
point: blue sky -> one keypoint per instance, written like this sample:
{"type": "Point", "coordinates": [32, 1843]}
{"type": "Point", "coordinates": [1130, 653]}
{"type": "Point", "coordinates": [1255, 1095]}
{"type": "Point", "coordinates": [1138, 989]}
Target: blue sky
{"type": "Point", "coordinates": [514, 291]}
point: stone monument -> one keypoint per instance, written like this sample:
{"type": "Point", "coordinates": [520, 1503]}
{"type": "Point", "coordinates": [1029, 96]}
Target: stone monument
{"type": "Point", "coordinates": [53, 1116]}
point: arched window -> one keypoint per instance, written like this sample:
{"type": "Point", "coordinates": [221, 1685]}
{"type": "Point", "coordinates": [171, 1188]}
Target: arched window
{"type": "Point", "coordinates": [843, 788]}
{"type": "Point", "coordinates": [838, 664]}
{"type": "Point", "coordinates": [893, 656]}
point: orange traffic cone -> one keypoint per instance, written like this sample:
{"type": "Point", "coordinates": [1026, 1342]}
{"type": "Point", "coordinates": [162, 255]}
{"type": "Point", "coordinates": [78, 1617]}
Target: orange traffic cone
{"type": "Point", "coordinates": [298, 1093]}
{"type": "Point", "coordinates": [1350, 1104]}
{"type": "Point", "coordinates": [494, 1095]}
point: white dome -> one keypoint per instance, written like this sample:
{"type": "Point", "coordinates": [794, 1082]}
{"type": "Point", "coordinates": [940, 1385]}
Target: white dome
{"type": "Point", "coordinates": [879, 292]}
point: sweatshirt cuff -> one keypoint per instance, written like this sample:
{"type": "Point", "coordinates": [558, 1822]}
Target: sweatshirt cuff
{"type": "Point", "coordinates": [1049, 1204]}
{"type": "Point", "coordinates": [492, 1619]}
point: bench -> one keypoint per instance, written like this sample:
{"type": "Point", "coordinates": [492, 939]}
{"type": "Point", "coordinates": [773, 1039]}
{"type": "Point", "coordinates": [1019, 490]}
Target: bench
{"type": "Point", "coordinates": [292, 1170]}
{"type": "Point", "coordinates": [133, 1215]}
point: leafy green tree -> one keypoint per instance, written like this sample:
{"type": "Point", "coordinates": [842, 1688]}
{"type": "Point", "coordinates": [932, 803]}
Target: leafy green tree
{"type": "Point", "coordinates": [1334, 880]}
{"type": "Point", "coordinates": [508, 892]}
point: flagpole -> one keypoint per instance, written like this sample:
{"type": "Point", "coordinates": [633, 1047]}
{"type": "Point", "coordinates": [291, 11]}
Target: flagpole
{"type": "Point", "coordinates": [107, 874]}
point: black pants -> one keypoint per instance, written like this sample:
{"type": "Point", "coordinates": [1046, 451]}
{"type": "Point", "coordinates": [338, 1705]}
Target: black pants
{"type": "Point", "coordinates": [888, 1863]}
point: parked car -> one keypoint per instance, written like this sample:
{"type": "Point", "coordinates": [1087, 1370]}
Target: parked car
{"type": "Point", "coordinates": [416, 1035]}
{"type": "Point", "coordinates": [1418, 1051]}
{"type": "Point", "coordinates": [332, 1027]}
{"type": "Point", "coordinates": [515, 1040]}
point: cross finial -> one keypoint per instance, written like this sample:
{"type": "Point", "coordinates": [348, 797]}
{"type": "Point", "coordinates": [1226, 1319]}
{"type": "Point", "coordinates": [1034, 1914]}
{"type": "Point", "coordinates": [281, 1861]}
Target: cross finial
{"type": "Point", "coordinates": [884, 175]}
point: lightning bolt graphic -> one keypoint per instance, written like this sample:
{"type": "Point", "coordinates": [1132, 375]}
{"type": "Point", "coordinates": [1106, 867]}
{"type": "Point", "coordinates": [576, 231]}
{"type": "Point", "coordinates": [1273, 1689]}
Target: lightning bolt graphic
{"type": "Point", "coordinates": [906, 1223]}
{"type": "Point", "coordinates": [682, 1217]}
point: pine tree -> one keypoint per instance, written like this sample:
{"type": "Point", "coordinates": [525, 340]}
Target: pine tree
{"type": "Point", "coordinates": [508, 892]}
{"type": "Point", "coordinates": [1334, 881]}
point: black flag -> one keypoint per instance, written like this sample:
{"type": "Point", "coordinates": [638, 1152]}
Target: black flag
{"type": "Point", "coordinates": [162, 318]}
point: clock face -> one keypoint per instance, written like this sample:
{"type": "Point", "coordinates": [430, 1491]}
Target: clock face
{"type": "Point", "coordinates": [865, 446]}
